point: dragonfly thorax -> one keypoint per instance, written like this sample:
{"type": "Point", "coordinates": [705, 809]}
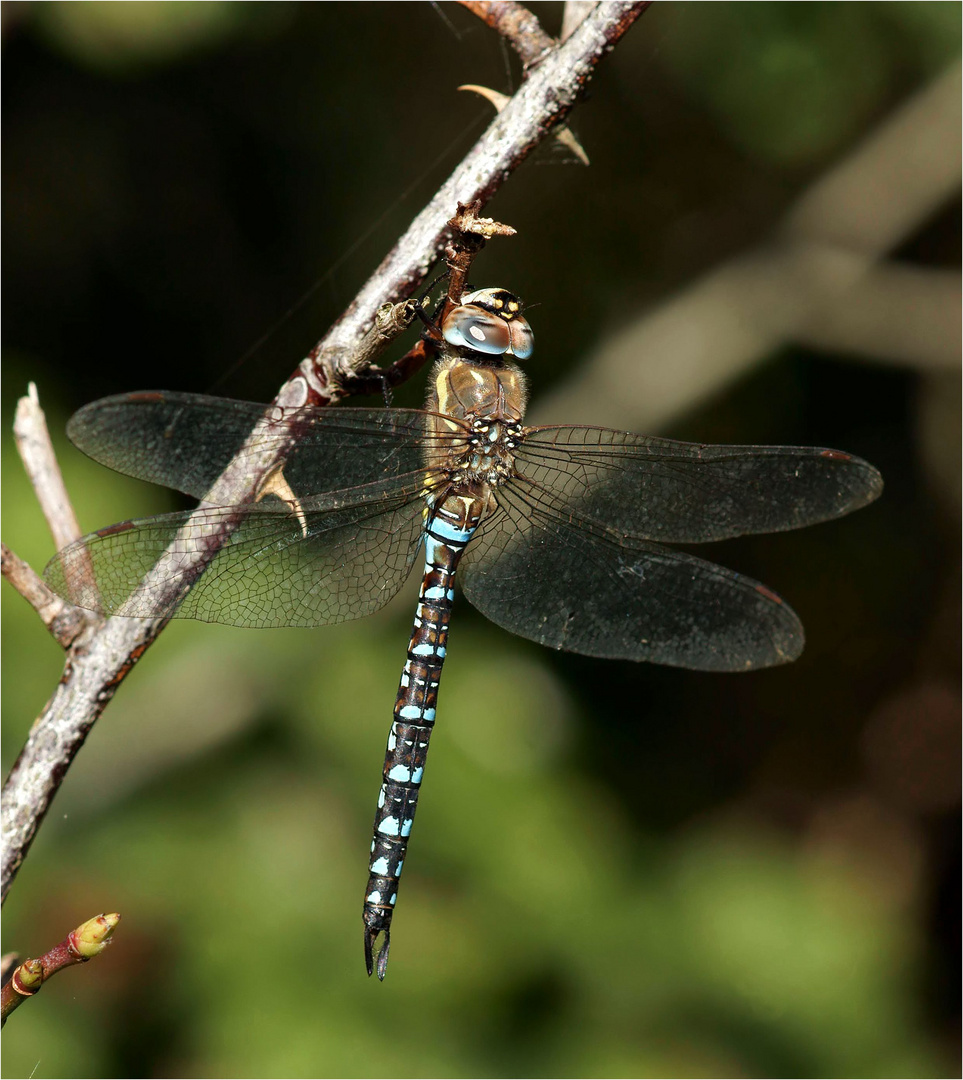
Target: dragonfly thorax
{"type": "Point", "coordinates": [478, 409]}
{"type": "Point", "coordinates": [488, 456]}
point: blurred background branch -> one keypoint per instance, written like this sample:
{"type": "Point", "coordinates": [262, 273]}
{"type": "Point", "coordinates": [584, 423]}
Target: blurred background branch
{"type": "Point", "coordinates": [813, 281]}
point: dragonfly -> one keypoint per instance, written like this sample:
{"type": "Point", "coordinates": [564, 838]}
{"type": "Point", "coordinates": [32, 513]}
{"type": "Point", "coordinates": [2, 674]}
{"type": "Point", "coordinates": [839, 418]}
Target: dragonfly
{"type": "Point", "coordinates": [559, 534]}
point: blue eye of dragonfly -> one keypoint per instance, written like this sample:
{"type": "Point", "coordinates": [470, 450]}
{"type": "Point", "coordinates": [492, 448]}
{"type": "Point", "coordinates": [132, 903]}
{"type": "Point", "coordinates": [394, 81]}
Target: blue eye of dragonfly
{"type": "Point", "coordinates": [566, 530]}
{"type": "Point", "coordinates": [490, 321]}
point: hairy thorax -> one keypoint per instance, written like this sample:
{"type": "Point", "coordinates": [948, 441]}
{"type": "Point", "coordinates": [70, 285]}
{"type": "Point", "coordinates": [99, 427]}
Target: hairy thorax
{"type": "Point", "coordinates": [489, 398]}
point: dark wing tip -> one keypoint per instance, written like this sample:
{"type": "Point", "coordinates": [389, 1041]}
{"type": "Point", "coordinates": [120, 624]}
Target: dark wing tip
{"type": "Point", "coordinates": [88, 420]}
{"type": "Point", "coordinates": [769, 634]}
{"type": "Point", "coordinates": [860, 482]}
{"type": "Point", "coordinates": [787, 637]}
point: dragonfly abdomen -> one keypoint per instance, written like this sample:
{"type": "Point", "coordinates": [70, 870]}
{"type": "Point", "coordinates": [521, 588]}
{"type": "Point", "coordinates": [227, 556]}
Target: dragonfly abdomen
{"type": "Point", "coordinates": [446, 535]}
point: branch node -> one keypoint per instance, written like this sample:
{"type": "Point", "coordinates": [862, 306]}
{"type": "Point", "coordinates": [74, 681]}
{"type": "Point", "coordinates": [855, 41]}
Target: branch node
{"type": "Point", "coordinates": [517, 25]}
{"type": "Point", "coordinates": [468, 221]}
{"type": "Point", "coordinates": [64, 621]}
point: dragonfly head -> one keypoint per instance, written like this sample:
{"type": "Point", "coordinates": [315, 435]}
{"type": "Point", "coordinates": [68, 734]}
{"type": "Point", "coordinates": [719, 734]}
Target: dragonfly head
{"type": "Point", "coordinates": [489, 321]}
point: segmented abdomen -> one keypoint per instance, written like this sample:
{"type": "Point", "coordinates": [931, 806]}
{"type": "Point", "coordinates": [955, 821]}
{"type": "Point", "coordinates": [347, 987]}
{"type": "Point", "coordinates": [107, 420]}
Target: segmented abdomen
{"type": "Point", "coordinates": [447, 533]}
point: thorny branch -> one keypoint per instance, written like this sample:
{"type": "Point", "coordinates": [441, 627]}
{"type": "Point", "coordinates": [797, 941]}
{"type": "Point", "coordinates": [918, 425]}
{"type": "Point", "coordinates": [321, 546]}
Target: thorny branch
{"type": "Point", "coordinates": [93, 673]}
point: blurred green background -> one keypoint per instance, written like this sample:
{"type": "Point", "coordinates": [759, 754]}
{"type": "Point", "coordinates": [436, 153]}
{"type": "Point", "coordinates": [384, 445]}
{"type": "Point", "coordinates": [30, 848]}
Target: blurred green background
{"type": "Point", "coordinates": [618, 870]}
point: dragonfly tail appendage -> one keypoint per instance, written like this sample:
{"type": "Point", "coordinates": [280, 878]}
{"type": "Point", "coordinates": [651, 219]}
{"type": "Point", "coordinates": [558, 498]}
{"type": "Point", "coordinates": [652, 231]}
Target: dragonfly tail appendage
{"type": "Point", "coordinates": [447, 533]}
{"type": "Point", "coordinates": [370, 940]}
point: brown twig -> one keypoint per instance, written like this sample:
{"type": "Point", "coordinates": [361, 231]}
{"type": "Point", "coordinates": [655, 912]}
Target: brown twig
{"type": "Point", "coordinates": [470, 231]}
{"type": "Point", "coordinates": [63, 620]}
{"type": "Point", "coordinates": [94, 673]}
{"type": "Point", "coordinates": [80, 945]}
{"type": "Point", "coordinates": [517, 25]}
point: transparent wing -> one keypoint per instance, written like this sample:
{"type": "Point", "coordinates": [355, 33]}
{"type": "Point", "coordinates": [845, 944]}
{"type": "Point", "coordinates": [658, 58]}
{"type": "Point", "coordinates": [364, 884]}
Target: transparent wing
{"type": "Point", "coordinates": [185, 441]}
{"type": "Point", "coordinates": [570, 583]}
{"type": "Point", "coordinates": [659, 489]}
{"type": "Point", "coordinates": [343, 556]}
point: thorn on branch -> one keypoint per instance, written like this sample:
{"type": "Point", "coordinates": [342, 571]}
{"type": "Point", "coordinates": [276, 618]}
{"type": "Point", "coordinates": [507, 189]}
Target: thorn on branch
{"type": "Point", "coordinates": [563, 134]}
{"type": "Point", "coordinates": [391, 320]}
{"type": "Point", "coordinates": [497, 99]}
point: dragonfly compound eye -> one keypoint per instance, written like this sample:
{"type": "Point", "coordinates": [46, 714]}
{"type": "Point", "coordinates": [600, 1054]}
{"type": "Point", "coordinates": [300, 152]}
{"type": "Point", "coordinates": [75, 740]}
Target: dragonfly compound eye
{"type": "Point", "coordinates": [474, 328]}
{"type": "Point", "coordinates": [523, 340]}
{"type": "Point", "coordinates": [490, 321]}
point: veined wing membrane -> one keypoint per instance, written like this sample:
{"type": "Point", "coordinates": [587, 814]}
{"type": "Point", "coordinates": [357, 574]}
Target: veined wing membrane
{"type": "Point", "coordinates": [676, 492]}
{"type": "Point", "coordinates": [185, 441]}
{"type": "Point", "coordinates": [341, 556]}
{"type": "Point", "coordinates": [573, 584]}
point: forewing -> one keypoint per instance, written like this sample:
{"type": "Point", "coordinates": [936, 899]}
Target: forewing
{"type": "Point", "coordinates": [676, 492]}
{"type": "Point", "coordinates": [571, 584]}
{"type": "Point", "coordinates": [185, 441]}
{"type": "Point", "coordinates": [327, 560]}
